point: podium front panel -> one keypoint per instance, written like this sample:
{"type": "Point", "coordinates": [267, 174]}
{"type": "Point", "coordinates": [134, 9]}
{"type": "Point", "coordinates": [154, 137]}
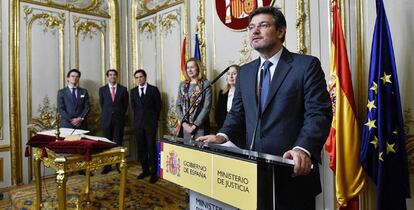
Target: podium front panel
{"type": "Point", "coordinates": [186, 167]}
{"type": "Point", "coordinates": [235, 182]}
{"type": "Point", "coordinates": [230, 180]}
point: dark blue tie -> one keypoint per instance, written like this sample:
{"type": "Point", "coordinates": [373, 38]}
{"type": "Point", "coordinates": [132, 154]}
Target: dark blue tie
{"type": "Point", "coordinates": [74, 95]}
{"type": "Point", "coordinates": [265, 83]}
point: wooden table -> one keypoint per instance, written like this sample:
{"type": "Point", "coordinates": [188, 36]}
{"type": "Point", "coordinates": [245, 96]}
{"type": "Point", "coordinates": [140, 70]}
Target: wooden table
{"type": "Point", "coordinates": [65, 164]}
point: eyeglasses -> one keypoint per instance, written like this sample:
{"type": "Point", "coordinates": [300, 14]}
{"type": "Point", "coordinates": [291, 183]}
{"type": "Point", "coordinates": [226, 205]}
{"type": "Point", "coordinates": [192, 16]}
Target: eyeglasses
{"type": "Point", "coordinates": [260, 26]}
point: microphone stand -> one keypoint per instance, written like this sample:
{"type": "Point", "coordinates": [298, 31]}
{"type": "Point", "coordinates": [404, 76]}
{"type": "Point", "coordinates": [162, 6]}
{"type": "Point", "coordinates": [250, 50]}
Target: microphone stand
{"type": "Point", "coordinates": [259, 116]}
{"type": "Point", "coordinates": [251, 148]}
{"type": "Point", "coordinates": [186, 114]}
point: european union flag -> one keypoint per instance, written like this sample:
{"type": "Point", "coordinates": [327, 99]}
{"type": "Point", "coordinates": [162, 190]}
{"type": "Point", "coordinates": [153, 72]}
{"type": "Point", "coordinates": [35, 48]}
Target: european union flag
{"type": "Point", "coordinates": [197, 53]}
{"type": "Point", "coordinates": [383, 154]}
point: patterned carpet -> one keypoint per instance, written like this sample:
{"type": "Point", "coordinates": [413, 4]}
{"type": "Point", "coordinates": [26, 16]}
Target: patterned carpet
{"type": "Point", "coordinates": [140, 194]}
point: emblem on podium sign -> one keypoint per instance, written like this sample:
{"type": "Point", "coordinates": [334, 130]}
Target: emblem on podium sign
{"type": "Point", "coordinates": [173, 163]}
{"type": "Point", "coordinates": [235, 13]}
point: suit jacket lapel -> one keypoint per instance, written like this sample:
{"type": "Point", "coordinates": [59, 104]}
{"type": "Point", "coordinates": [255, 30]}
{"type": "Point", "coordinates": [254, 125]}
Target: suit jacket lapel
{"type": "Point", "coordinates": [78, 96]}
{"type": "Point", "coordinates": [282, 68]}
{"type": "Point", "coordinates": [252, 80]}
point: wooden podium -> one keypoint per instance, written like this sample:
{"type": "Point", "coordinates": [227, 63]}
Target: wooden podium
{"type": "Point", "coordinates": [222, 173]}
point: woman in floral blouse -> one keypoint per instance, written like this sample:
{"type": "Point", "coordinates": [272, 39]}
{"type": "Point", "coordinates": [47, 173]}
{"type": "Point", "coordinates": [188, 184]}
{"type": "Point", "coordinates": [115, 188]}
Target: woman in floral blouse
{"type": "Point", "coordinates": [196, 122]}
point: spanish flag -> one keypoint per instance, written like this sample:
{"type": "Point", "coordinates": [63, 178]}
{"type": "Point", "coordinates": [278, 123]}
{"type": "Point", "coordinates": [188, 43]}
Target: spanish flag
{"type": "Point", "coordinates": [343, 142]}
{"type": "Point", "coordinates": [182, 62]}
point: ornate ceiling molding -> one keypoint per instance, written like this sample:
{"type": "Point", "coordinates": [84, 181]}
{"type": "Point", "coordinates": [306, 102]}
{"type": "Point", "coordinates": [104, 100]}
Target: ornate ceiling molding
{"type": "Point", "coordinates": [148, 27]}
{"type": "Point", "coordinates": [90, 7]}
{"type": "Point", "coordinates": [150, 7]}
{"type": "Point", "coordinates": [167, 21]}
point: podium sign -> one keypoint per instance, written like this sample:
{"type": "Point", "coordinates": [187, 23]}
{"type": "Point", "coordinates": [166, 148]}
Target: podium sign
{"type": "Point", "coordinates": [235, 182]}
{"type": "Point", "coordinates": [220, 177]}
{"type": "Point", "coordinates": [186, 167]}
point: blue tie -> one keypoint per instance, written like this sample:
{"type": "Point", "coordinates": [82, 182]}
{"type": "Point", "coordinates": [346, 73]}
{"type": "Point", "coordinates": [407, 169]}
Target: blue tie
{"type": "Point", "coordinates": [265, 83]}
{"type": "Point", "coordinates": [74, 95]}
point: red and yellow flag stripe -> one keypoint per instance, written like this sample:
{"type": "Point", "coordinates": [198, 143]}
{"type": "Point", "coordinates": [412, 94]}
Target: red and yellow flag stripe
{"type": "Point", "coordinates": [343, 142]}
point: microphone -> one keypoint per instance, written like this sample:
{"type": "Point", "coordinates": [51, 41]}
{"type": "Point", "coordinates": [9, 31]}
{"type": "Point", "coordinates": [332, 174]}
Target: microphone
{"type": "Point", "coordinates": [259, 113]}
{"type": "Point", "coordinates": [186, 114]}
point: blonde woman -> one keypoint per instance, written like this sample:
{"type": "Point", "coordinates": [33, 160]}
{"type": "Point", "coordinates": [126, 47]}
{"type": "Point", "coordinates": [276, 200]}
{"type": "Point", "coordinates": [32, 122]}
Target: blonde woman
{"type": "Point", "coordinates": [196, 123]}
{"type": "Point", "coordinates": [224, 103]}
{"type": "Point", "coordinates": [225, 97]}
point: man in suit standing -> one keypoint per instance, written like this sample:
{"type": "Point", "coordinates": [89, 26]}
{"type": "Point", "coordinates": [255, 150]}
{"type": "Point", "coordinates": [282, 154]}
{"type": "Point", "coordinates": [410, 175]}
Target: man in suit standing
{"type": "Point", "coordinates": [293, 109]}
{"type": "Point", "coordinates": [73, 103]}
{"type": "Point", "coordinates": [113, 99]}
{"type": "Point", "coordinates": [146, 104]}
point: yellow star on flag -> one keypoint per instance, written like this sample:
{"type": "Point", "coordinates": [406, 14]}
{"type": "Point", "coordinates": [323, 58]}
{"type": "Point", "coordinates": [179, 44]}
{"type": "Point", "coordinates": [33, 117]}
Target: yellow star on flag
{"type": "Point", "coordinates": [371, 105]}
{"type": "Point", "coordinates": [395, 132]}
{"type": "Point", "coordinates": [380, 157]}
{"type": "Point", "coordinates": [390, 148]}
{"type": "Point", "coordinates": [375, 142]}
{"type": "Point", "coordinates": [374, 87]}
{"type": "Point", "coordinates": [371, 124]}
{"type": "Point", "coordinates": [386, 78]}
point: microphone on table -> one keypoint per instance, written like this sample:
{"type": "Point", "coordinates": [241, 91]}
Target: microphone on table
{"type": "Point", "coordinates": [187, 113]}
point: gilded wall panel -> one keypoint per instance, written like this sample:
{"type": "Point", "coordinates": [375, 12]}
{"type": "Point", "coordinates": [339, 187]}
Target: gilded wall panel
{"type": "Point", "coordinates": [171, 37]}
{"type": "Point", "coordinates": [44, 50]}
{"type": "Point", "coordinates": [42, 61]}
{"type": "Point", "coordinates": [148, 47]}
{"type": "Point", "coordinates": [90, 55]}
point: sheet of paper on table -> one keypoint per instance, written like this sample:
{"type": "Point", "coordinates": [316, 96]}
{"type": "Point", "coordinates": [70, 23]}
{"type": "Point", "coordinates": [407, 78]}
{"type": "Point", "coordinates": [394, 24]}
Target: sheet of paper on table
{"type": "Point", "coordinates": [64, 132]}
{"type": "Point", "coordinates": [74, 134]}
{"type": "Point", "coordinates": [97, 138]}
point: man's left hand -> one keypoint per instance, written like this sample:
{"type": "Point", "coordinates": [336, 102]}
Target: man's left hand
{"type": "Point", "coordinates": [302, 162]}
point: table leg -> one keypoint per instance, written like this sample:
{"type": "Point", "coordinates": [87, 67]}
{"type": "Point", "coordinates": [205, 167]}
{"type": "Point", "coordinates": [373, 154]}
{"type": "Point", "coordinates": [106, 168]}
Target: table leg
{"type": "Point", "coordinates": [61, 179]}
{"type": "Point", "coordinates": [122, 180]}
{"type": "Point", "coordinates": [85, 196]}
{"type": "Point", "coordinates": [38, 183]}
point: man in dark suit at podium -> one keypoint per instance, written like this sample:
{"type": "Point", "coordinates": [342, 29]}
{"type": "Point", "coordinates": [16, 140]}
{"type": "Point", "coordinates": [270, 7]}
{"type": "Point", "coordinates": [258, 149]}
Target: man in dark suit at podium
{"type": "Point", "coordinates": [113, 99]}
{"type": "Point", "coordinates": [289, 91]}
{"type": "Point", "coordinates": [146, 104]}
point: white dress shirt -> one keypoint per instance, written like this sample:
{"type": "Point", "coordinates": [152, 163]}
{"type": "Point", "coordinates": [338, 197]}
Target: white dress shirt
{"type": "Point", "coordinates": [230, 97]}
{"type": "Point", "coordinates": [145, 89]}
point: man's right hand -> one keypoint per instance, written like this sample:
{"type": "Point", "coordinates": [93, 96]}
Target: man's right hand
{"type": "Point", "coordinates": [215, 139]}
{"type": "Point", "coordinates": [76, 121]}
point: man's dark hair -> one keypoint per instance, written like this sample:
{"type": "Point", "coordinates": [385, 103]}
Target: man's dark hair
{"type": "Point", "coordinates": [73, 70]}
{"type": "Point", "coordinates": [113, 70]}
{"type": "Point", "coordinates": [142, 71]}
{"type": "Point", "coordinates": [278, 17]}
